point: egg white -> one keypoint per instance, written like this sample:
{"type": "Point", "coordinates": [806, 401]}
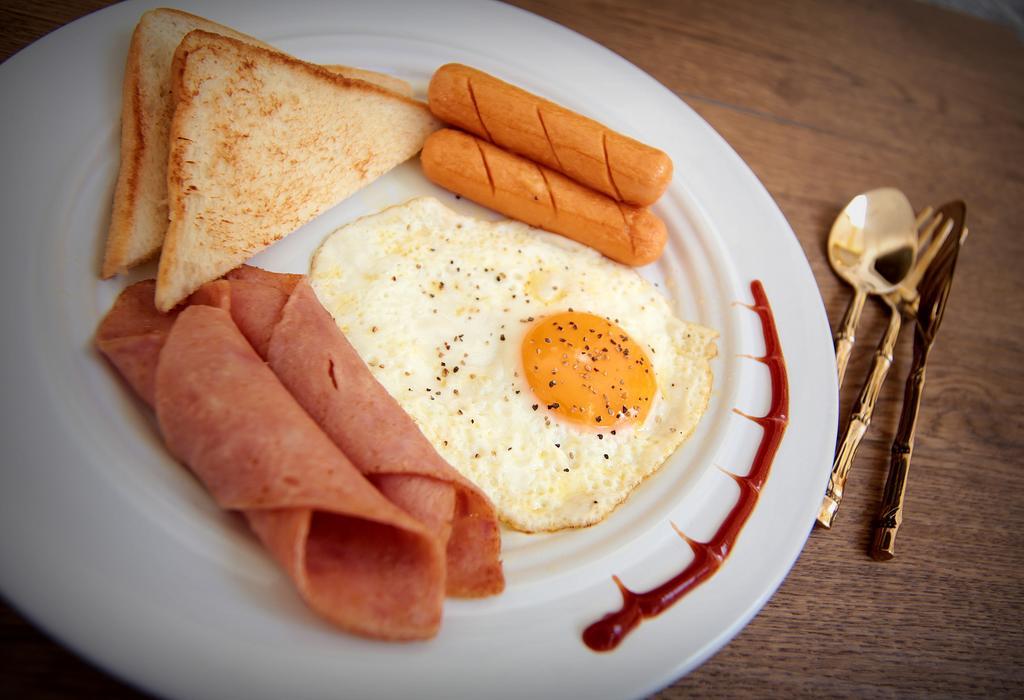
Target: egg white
{"type": "Point", "coordinates": [418, 285]}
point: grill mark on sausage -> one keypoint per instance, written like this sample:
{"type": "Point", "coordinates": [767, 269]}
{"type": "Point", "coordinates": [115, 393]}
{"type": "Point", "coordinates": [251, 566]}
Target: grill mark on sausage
{"type": "Point", "coordinates": [547, 186]}
{"type": "Point", "coordinates": [551, 144]}
{"type": "Point", "coordinates": [608, 165]}
{"type": "Point", "coordinates": [627, 229]}
{"type": "Point", "coordinates": [479, 115]}
{"type": "Point", "coordinates": [487, 167]}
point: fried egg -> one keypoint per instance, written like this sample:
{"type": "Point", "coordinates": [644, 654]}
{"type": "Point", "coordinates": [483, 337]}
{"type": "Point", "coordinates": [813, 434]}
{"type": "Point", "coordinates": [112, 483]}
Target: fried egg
{"type": "Point", "coordinates": [550, 376]}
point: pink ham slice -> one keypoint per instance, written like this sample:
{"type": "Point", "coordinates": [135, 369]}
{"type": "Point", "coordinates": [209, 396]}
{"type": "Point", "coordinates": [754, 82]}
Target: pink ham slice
{"type": "Point", "coordinates": [355, 557]}
{"type": "Point", "coordinates": [132, 334]}
{"type": "Point", "coordinates": [323, 371]}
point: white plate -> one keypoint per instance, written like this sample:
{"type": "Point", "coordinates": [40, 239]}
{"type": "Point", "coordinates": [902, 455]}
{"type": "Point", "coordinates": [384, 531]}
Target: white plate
{"type": "Point", "coordinates": [113, 548]}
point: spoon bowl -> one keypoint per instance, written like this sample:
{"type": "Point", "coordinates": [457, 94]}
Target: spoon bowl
{"type": "Point", "coordinates": [872, 246]}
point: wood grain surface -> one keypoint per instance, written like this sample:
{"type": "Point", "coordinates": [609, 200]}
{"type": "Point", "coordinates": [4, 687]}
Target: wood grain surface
{"type": "Point", "coordinates": [825, 99]}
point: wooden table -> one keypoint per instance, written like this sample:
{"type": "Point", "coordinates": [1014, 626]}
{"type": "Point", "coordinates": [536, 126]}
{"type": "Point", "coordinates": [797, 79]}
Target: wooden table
{"type": "Point", "coordinates": [825, 99]}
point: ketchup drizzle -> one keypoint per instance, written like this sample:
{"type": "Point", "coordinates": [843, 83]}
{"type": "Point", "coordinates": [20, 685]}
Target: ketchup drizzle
{"type": "Point", "coordinates": [708, 557]}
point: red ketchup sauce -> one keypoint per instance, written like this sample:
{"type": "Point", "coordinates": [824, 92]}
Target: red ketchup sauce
{"type": "Point", "coordinates": [708, 557]}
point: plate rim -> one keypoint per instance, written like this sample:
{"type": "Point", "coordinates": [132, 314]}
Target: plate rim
{"type": "Point", "coordinates": [99, 18]}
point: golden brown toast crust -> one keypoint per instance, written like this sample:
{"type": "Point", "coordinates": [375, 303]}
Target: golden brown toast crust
{"type": "Point", "coordinates": [126, 190]}
{"type": "Point", "coordinates": [123, 235]}
{"type": "Point", "coordinates": [137, 227]}
{"type": "Point", "coordinates": [232, 181]}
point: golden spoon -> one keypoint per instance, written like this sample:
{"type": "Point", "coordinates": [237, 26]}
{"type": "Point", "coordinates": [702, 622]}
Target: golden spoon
{"type": "Point", "coordinates": [871, 246]}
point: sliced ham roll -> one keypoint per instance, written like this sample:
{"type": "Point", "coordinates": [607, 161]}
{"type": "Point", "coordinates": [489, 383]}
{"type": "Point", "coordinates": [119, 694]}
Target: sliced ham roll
{"type": "Point", "coordinates": [324, 372]}
{"type": "Point", "coordinates": [356, 558]}
{"type": "Point", "coordinates": [132, 334]}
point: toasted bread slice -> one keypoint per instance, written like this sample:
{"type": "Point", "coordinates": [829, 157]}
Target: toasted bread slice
{"type": "Point", "coordinates": [262, 143]}
{"type": "Point", "coordinates": [139, 217]}
{"type": "Point", "coordinates": [384, 80]}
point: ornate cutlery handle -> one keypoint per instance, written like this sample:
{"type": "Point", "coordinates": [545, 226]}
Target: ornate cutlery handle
{"type": "Point", "coordinates": [860, 420]}
{"type": "Point", "coordinates": [890, 514]}
{"type": "Point", "coordinates": [934, 292]}
{"type": "Point", "coordinates": [845, 336]}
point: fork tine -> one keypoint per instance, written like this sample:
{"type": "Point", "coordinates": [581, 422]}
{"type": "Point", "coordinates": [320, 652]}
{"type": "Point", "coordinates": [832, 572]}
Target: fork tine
{"type": "Point", "coordinates": [942, 255]}
{"type": "Point", "coordinates": [928, 255]}
{"type": "Point", "coordinates": [927, 228]}
{"type": "Point", "coordinates": [923, 216]}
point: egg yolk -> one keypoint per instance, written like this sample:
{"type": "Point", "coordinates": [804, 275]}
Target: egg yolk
{"type": "Point", "coordinates": [588, 371]}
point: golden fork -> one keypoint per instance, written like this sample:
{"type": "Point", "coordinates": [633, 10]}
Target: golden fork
{"type": "Point", "coordinates": [934, 228]}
